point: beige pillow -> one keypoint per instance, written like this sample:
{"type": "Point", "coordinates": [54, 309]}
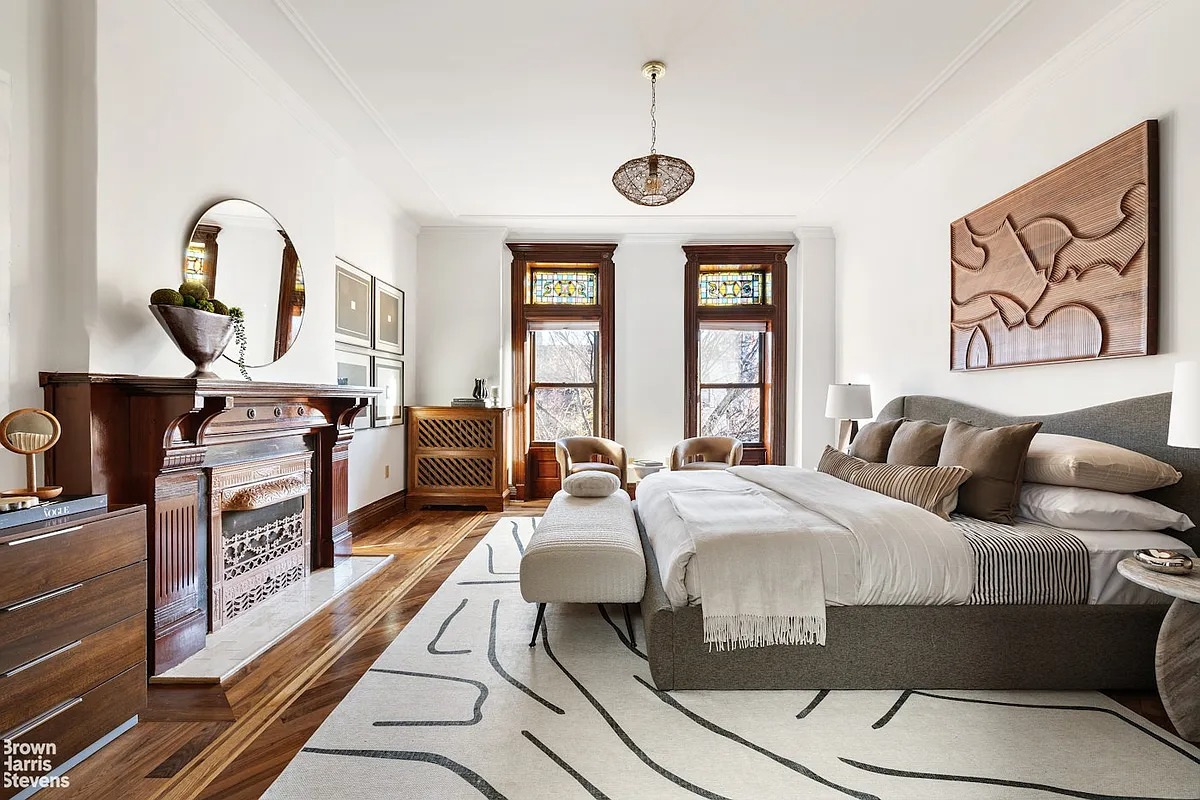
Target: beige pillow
{"type": "Point", "coordinates": [873, 440]}
{"type": "Point", "coordinates": [1072, 461]}
{"type": "Point", "coordinates": [591, 483]}
{"type": "Point", "coordinates": [934, 489]}
{"type": "Point", "coordinates": [996, 458]}
{"type": "Point", "coordinates": [917, 442]}
{"type": "Point", "coordinates": [839, 465]}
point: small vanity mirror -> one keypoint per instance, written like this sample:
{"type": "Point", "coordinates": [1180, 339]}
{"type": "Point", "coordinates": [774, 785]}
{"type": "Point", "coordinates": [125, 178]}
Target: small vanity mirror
{"type": "Point", "coordinates": [245, 258]}
{"type": "Point", "coordinates": [27, 432]}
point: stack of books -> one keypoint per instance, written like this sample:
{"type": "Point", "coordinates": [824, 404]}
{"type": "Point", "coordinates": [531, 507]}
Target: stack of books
{"type": "Point", "coordinates": [468, 402]}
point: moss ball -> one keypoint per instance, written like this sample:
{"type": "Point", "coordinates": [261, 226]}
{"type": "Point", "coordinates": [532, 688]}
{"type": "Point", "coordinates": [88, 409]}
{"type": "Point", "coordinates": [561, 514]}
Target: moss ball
{"type": "Point", "coordinates": [190, 301]}
{"type": "Point", "coordinates": [204, 305]}
{"type": "Point", "coordinates": [166, 297]}
{"type": "Point", "coordinates": [194, 289]}
{"type": "Point", "coordinates": [219, 308]}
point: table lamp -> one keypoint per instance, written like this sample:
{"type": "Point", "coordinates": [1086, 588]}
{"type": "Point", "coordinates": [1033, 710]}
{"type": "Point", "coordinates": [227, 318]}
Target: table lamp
{"type": "Point", "coordinates": [848, 403]}
{"type": "Point", "coordinates": [1184, 429]}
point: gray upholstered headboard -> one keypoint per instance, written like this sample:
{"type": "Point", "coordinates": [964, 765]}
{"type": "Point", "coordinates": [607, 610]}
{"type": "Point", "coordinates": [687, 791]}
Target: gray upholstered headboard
{"type": "Point", "coordinates": [1139, 424]}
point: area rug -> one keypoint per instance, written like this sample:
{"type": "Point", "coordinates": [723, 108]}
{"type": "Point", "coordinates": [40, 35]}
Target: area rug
{"type": "Point", "coordinates": [459, 706]}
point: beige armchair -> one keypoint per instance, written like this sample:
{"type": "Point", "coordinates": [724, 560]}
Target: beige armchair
{"type": "Point", "coordinates": [707, 452]}
{"type": "Point", "coordinates": [578, 453]}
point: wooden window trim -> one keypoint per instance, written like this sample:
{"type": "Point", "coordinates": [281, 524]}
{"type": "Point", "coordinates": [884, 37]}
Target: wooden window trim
{"type": "Point", "coordinates": [774, 315]}
{"type": "Point", "coordinates": [524, 313]}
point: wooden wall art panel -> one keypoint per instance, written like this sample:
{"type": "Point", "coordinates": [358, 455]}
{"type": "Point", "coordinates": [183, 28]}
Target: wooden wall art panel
{"type": "Point", "coordinates": [1064, 268]}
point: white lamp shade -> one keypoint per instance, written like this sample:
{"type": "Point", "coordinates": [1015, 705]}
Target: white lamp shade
{"type": "Point", "coordinates": [1185, 406]}
{"type": "Point", "coordinates": [849, 401]}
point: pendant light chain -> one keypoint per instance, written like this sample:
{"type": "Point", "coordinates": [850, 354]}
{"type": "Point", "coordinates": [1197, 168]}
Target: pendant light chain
{"type": "Point", "coordinates": [653, 106]}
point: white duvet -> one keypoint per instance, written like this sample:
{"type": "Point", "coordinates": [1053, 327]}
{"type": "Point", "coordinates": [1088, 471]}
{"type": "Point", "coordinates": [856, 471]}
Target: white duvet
{"type": "Point", "coordinates": [874, 550]}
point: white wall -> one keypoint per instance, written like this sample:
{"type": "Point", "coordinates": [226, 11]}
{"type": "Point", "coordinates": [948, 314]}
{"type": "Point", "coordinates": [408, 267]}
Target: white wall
{"type": "Point", "coordinates": [892, 240]}
{"type": "Point", "coordinates": [369, 235]}
{"type": "Point", "coordinates": [31, 214]}
{"type": "Point", "coordinates": [464, 333]}
{"type": "Point", "coordinates": [463, 283]}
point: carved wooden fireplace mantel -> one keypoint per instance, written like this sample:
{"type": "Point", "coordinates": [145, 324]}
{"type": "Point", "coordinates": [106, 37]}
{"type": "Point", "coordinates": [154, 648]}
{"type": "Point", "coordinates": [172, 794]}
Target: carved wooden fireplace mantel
{"type": "Point", "coordinates": [206, 457]}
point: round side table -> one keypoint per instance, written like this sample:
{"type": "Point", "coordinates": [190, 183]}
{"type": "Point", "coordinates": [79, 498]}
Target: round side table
{"type": "Point", "coordinates": [1177, 656]}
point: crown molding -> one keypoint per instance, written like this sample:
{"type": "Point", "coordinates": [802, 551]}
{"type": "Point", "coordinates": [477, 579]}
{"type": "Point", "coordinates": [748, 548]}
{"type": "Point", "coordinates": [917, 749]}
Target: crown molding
{"type": "Point", "coordinates": [1111, 26]}
{"type": "Point", "coordinates": [343, 77]}
{"type": "Point", "coordinates": [209, 23]}
{"type": "Point", "coordinates": [965, 55]}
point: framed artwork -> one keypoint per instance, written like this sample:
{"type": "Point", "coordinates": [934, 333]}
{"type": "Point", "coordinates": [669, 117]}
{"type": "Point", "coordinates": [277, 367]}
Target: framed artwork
{"type": "Point", "coordinates": [389, 407]}
{"type": "Point", "coordinates": [353, 321]}
{"type": "Point", "coordinates": [354, 369]}
{"type": "Point", "coordinates": [1064, 268]}
{"type": "Point", "coordinates": [389, 318]}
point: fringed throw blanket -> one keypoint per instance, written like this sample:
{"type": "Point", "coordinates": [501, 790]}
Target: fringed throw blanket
{"type": "Point", "coordinates": [1026, 563]}
{"type": "Point", "coordinates": [761, 573]}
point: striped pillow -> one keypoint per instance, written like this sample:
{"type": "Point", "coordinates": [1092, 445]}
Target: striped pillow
{"type": "Point", "coordinates": [839, 465]}
{"type": "Point", "coordinates": [934, 489]}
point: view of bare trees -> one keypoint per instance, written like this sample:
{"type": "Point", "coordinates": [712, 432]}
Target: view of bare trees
{"type": "Point", "coordinates": [564, 382]}
{"type": "Point", "coordinates": [730, 383]}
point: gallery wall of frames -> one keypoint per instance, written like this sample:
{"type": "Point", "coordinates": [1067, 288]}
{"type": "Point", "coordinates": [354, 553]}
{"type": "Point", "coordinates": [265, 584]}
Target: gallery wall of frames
{"type": "Point", "coordinates": [369, 337]}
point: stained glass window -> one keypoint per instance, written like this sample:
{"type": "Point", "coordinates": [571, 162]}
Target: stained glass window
{"type": "Point", "coordinates": [194, 267]}
{"type": "Point", "coordinates": [734, 288]}
{"type": "Point", "coordinates": [563, 287]}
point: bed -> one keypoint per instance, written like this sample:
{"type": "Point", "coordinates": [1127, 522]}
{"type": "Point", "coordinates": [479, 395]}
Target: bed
{"type": "Point", "coordinates": [1102, 641]}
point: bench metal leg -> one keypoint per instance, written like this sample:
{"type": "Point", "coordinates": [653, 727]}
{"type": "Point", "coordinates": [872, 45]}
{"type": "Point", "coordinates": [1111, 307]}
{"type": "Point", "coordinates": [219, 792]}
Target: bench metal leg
{"type": "Point", "coordinates": [629, 625]}
{"type": "Point", "coordinates": [537, 625]}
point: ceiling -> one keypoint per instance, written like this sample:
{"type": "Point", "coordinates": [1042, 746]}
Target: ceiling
{"type": "Point", "coordinates": [516, 113]}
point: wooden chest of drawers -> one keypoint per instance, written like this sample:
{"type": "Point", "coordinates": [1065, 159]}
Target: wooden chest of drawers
{"type": "Point", "coordinates": [72, 631]}
{"type": "Point", "coordinates": [457, 456]}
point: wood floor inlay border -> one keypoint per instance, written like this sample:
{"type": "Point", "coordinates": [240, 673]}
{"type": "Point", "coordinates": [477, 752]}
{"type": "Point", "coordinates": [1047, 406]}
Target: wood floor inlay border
{"type": "Point", "coordinates": [190, 781]}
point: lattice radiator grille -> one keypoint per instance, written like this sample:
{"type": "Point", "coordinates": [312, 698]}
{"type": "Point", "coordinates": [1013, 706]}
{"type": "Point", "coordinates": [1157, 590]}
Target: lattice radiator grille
{"type": "Point", "coordinates": [450, 471]}
{"type": "Point", "coordinates": [456, 434]}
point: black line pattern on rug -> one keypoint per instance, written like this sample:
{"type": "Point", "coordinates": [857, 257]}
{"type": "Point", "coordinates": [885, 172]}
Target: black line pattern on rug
{"type": "Point", "coordinates": [816, 701]}
{"type": "Point", "coordinates": [432, 646]}
{"type": "Point", "coordinates": [1041, 787]}
{"type": "Point", "coordinates": [517, 537]}
{"type": "Point", "coordinates": [624, 737]}
{"type": "Point", "coordinates": [886, 718]}
{"type": "Point", "coordinates": [582, 781]}
{"type": "Point", "coordinates": [500, 670]}
{"type": "Point", "coordinates": [475, 719]}
{"type": "Point", "coordinates": [621, 634]}
{"type": "Point", "coordinates": [733, 737]}
{"type": "Point", "coordinates": [483, 583]}
{"type": "Point", "coordinates": [470, 776]}
{"type": "Point", "coordinates": [491, 566]}
{"type": "Point", "coordinates": [1097, 709]}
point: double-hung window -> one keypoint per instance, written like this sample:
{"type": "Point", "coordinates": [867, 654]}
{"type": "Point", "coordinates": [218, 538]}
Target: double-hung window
{"type": "Point", "coordinates": [735, 341]}
{"type": "Point", "coordinates": [562, 342]}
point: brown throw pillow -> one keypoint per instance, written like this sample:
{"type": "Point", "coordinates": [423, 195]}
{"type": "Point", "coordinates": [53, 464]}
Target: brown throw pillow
{"type": "Point", "coordinates": [839, 465]}
{"type": "Point", "coordinates": [934, 489]}
{"type": "Point", "coordinates": [873, 440]}
{"type": "Point", "coordinates": [996, 458]}
{"type": "Point", "coordinates": [917, 442]}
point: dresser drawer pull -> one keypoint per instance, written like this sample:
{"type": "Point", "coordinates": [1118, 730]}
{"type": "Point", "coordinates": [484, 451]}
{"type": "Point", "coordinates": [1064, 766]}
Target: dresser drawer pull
{"type": "Point", "coordinates": [45, 536]}
{"type": "Point", "coordinates": [40, 659]}
{"type": "Point", "coordinates": [33, 601]}
{"type": "Point", "coordinates": [21, 730]}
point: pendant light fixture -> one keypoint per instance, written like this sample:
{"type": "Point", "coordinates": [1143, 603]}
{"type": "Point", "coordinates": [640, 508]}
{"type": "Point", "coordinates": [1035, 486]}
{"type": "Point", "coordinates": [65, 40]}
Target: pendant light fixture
{"type": "Point", "coordinates": [654, 179]}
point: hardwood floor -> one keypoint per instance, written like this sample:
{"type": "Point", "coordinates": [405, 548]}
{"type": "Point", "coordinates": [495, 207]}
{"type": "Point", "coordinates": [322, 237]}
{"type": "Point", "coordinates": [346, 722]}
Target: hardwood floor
{"type": "Point", "coordinates": [230, 742]}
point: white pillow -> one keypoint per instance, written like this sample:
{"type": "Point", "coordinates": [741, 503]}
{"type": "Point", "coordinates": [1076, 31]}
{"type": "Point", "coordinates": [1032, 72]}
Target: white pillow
{"type": "Point", "coordinates": [591, 483]}
{"type": "Point", "coordinates": [1094, 510]}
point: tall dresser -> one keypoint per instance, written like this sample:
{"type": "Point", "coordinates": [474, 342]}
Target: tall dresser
{"type": "Point", "coordinates": [72, 632]}
{"type": "Point", "coordinates": [457, 456]}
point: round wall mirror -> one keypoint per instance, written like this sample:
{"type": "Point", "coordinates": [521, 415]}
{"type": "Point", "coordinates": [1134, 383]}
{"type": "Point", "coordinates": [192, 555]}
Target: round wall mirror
{"type": "Point", "coordinates": [246, 259]}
